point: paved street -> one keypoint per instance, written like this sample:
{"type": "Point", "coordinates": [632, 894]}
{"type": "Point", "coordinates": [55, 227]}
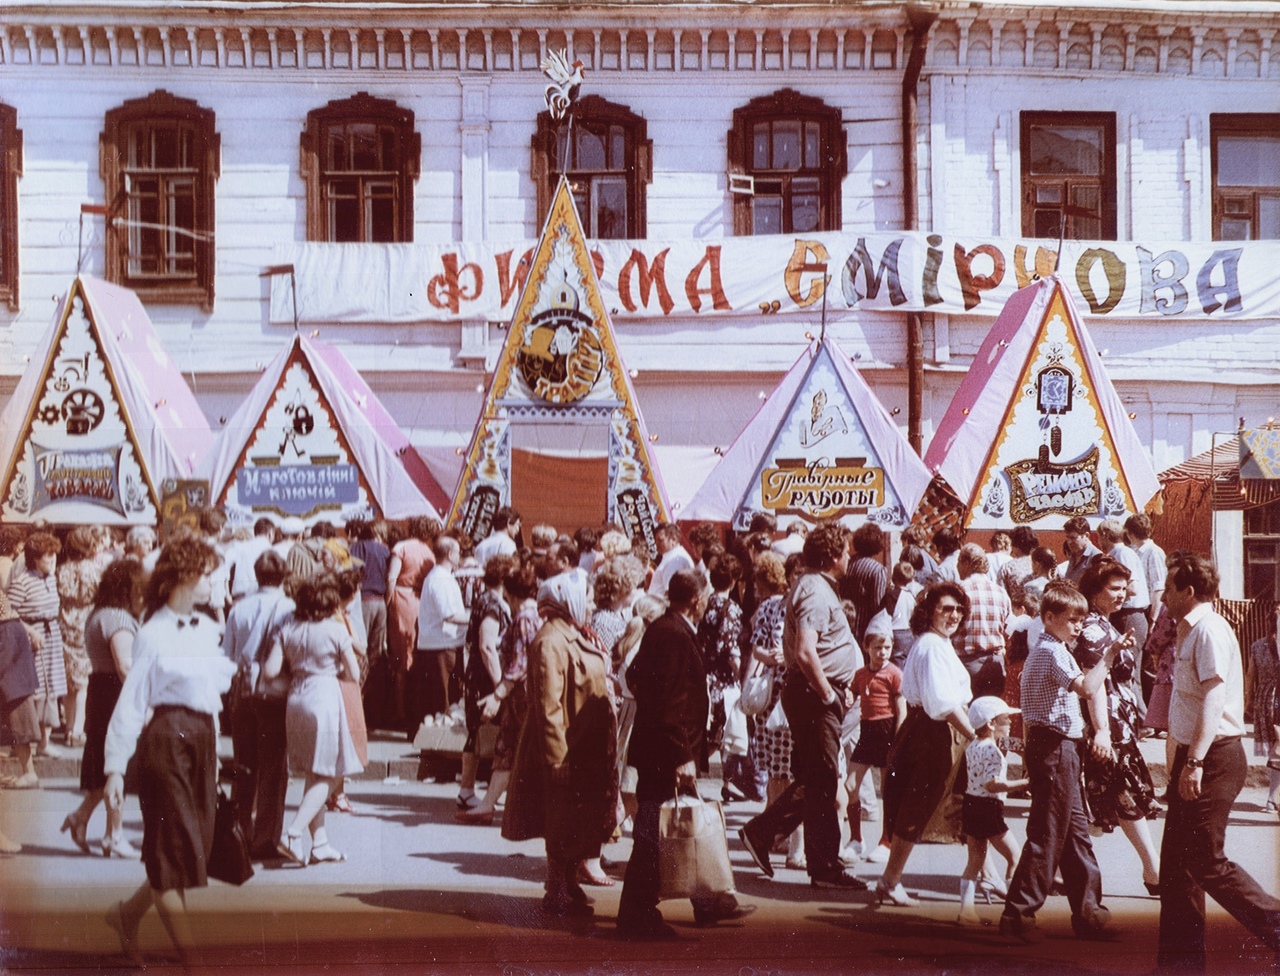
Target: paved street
{"type": "Point", "coordinates": [420, 893]}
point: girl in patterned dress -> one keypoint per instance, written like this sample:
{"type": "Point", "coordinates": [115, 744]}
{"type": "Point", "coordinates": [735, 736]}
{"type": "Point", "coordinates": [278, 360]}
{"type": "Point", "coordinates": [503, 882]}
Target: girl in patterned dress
{"type": "Point", "coordinates": [33, 594]}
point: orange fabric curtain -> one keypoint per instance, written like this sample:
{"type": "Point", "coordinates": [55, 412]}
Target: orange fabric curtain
{"type": "Point", "coordinates": [567, 492]}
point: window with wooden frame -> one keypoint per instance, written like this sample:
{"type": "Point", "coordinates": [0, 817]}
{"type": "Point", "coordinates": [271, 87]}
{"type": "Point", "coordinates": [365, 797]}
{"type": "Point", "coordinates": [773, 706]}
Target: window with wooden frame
{"type": "Point", "coordinates": [10, 170]}
{"type": "Point", "coordinates": [360, 159]}
{"type": "Point", "coordinates": [159, 160]}
{"type": "Point", "coordinates": [1069, 175]}
{"type": "Point", "coordinates": [787, 160]}
{"type": "Point", "coordinates": [609, 162]}
{"type": "Point", "coordinates": [1245, 152]}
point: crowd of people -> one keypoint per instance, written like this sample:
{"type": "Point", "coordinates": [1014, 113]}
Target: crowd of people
{"type": "Point", "coordinates": [601, 679]}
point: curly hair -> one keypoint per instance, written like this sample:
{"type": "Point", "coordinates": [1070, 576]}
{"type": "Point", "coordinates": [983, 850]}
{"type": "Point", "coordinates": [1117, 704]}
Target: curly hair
{"type": "Point", "coordinates": [522, 582]}
{"type": "Point", "coordinates": [771, 572]}
{"type": "Point", "coordinates": [182, 560]}
{"type": "Point", "coordinates": [497, 569]}
{"type": "Point", "coordinates": [81, 543]}
{"type": "Point", "coordinates": [724, 570]}
{"type": "Point", "coordinates": [613, 543]}
{"type": "Point", "coordinates": [120, 585]}
{"type": "Point", "coordinates": [10, 540]}
{"type": "Point", "coordinates": [825, 545]}
{"type": "Point", "coordinates": [41, 544]}
{"type": "Point", "coordinates": [922, 615]}
{"type": "Point", "coordinates": [423, 527]}
{"type": "Point", "coordinates": [610, 586]}
{"type": "Point", "coordinates": [317, 597]}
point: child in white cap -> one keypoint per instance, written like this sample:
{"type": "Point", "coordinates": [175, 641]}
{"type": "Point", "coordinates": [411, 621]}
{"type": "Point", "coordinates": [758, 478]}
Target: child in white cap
{"type": "Point", "coordinates": [982, 817]}
{"type": "Point", "coordinates": [878, 687]}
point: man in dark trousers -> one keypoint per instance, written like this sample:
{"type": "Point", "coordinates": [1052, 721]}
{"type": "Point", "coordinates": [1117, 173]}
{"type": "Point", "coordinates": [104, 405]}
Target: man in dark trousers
{"type": "Point", "coordinates": [669, 682]}
{"type": "Point", "coordinates": [1206, 722]}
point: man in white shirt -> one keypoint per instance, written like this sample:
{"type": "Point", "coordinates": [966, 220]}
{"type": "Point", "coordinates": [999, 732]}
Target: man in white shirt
{"type": "Point", "coordinates": [1137, 532]}
{"type": "Point", "coordinates": [1206, 721]}
{"type": "Point", "coordinates": [501, 540]}
{"type": "Point", "coordinates": [672, 557]}
{"type": "Point", "coordinates": [243, 555]}
{"type": "Point", "coordinates": [442, 628]}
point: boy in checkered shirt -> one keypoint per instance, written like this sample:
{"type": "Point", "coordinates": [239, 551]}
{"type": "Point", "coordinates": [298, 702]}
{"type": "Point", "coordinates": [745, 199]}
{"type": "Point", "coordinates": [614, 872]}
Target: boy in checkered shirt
{"type": "Point", "coordinates": [1057, 828]}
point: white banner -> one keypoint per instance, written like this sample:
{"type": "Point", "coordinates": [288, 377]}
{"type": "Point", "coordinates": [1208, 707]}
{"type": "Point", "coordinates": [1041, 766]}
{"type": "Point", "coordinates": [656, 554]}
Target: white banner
{"type": "Point", "coordinates": [903, 271]}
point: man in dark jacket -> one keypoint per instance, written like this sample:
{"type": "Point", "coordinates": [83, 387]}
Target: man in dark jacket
{"type": "Point", "coordinates": [669, 682]}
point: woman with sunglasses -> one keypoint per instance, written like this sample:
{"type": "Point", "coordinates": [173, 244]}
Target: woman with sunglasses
{"type": "Point", "coordinates": [936, 688]}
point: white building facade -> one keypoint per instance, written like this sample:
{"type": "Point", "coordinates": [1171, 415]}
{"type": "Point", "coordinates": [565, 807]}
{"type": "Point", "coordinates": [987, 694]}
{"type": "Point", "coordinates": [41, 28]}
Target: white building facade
{"type": "Point", "coordinates": [215, 142]}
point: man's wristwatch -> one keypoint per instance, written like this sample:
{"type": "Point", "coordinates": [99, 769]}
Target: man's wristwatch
{"type": "Point", "coordinates": [1194, 763]}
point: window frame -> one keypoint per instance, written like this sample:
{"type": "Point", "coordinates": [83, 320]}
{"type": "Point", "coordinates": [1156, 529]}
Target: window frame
{"type": "Point", "coordinates": [788, 105]}
{"type": "Point", "coordinates": [1107, 181]}
{"type": "Point", "coordinates": [10, 171]}
{"type": "Point", "coordinates": [360, 107]}
{"type": "Point", "coordinates": [594, 113]}
{"type": "Point", "coordinates": [1238, 124]}
{"type": "Point", "coordinates": [158, 110]}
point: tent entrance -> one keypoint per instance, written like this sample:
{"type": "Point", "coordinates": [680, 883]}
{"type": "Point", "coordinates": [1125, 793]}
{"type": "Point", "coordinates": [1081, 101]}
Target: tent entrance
{"type": "Point", "coordinates": [560, 474]}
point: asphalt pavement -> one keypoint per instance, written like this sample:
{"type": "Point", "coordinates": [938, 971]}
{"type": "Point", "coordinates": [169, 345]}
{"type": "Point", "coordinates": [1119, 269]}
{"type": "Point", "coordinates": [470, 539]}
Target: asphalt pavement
{"type": "Point", "coordinates": [421, 893]}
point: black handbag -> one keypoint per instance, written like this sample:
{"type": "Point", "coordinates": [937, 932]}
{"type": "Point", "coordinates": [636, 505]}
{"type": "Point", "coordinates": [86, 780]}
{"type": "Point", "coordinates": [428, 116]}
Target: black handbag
{"type": "Point", "coordinates": [229, 860]}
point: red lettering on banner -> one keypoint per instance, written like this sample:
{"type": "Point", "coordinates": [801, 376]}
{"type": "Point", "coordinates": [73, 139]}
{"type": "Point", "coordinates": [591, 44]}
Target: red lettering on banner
{"type": "Point", "coordinates": [447, 291]}
{"type": "Point", "coordinates": [597, 259]}
{"type": "Point", "coordinates": [650, 275]}
{"type": "Point", "coordinates": [973, 285]}
{"type": "Point", "coordinates": [710, 259]}
{"type": "Point", "coordinates": [508, 285]}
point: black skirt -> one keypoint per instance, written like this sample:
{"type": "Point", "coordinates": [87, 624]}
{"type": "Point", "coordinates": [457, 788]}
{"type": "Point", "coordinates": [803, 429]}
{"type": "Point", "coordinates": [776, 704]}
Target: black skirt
{"type": "Point", "coordinates": [177, 759]}
{"type": "Point", "coordinates": [874, 739]}
{"type": "Point", "coordinates": [982, 817]}
{"type": "Point", "coordinates": [100, 702]}
{"type": "Point", "coordinates": [916, 775]}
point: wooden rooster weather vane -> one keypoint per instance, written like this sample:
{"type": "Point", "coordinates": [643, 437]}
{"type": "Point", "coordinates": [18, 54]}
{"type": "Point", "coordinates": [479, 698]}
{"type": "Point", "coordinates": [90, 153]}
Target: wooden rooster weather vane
{"type": "Point", "coordinates": [562, 93]}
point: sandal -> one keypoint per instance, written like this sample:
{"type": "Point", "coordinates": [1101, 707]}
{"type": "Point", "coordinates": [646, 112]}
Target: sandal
{"type": "Point", "coordinates": [595, 880]}
{"type": "Point", "coordinates": [326, 853]}
{"type": "Point", "coordinates": [339, 803]}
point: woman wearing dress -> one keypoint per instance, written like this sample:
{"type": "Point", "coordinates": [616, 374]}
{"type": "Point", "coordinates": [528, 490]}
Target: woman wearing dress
{"type": "Point", "coordinates": [564, 785]}
{"type": "Point", "coordinates": [936, 688]}
{"type": "Point", "coordinates": [316, 648]}
{"type": "Point", "coordinates": [771, 748]}
{"type": "Point", "coordinates": [77, 584]}
{"type": "Point", "coordinates": [178, 676]}
{"type": "Point", "coordinates": [33, 594]}
{"type": "Point", "coordinates": [719, 632]}
{"type": "Point", "coordinates": [108, 637]}
{"type": "Point", "coordinates": [1118, 790]}
{"type": "Point", "coordinates": [411, 560]}
{"type": "Point", "coordinates": [19, 726]}
{"type": "Point", "coordinates": [644, 611]}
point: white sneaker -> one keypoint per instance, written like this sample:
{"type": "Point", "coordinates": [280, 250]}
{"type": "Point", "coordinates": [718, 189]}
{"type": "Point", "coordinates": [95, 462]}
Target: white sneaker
{"type": "Point", "coordinates": [851, 854]}
{"type": "Point", "coordinates": [878, 854]}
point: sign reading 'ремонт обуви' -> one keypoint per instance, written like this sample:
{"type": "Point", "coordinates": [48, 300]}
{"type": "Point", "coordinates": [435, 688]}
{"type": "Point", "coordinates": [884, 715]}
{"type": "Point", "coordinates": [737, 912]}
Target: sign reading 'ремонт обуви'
{"type": "Point", "coordinates": [906, 271]}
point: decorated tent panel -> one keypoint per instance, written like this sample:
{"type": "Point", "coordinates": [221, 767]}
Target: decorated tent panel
{"type": "Point", "coordinates": [102, 421]}
{"type": "Point", "coordinates": [560, 366]}
{"type": "Point", "coordinates": [821, 447]}
{"type": "Point", "coordinates": [1036, 433]}
{"type": "Point", "coordinates": [313, 441]}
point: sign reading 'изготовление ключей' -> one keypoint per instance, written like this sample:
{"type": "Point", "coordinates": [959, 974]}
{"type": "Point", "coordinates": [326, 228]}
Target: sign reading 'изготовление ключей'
{"type": "Point", "coordinates": [907, 271]}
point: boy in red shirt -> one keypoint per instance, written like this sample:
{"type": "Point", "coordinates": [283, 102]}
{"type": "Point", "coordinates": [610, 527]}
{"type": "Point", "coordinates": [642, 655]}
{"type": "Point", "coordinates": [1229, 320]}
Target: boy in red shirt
{"type": "Point", "coordinates": [878, 687]}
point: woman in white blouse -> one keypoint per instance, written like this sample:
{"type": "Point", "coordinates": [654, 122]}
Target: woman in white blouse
{"type": "Point", "coordinates": [936, 688]}
{"type": "Point", "coordinates": [178, 676]}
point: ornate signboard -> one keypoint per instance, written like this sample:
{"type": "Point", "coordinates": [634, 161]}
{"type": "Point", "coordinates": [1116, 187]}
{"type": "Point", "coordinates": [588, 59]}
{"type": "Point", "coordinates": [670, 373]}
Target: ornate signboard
{"type": "Point", "coordinates": [560, 365]}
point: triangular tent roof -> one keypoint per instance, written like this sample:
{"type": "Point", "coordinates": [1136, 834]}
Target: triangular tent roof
{"type": "Point", "coordinates": [101, 418]}
{"type": "Point", "coordinates": [560, 366]}
{"type": "Point", "coordinates": [821, 446]}
{"type": "Point", "coordinates": [1036, 433]}
{"type": "Point", "coordinates": [312, 440]}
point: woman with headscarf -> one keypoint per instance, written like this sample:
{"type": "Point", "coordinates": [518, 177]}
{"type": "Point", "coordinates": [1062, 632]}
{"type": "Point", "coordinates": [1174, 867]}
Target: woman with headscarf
{"type": "Point", "coordinates": [168, 713]}
{"type": "Point", "coordinates": [564, 785]}
{"type": "Point", "coordinates": [33, 594]}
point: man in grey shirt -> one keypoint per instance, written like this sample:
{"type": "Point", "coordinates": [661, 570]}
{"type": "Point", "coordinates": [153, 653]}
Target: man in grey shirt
{"type": "Point", "coordinates": [822, 658]}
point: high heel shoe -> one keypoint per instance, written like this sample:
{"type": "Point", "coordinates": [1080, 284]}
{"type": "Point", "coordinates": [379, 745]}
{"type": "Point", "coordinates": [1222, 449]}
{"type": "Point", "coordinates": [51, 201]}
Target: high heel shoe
{"type": "Point", "coordinates": [897, 895]}
{"type": "Point", "coordinates": [291, 849]}
{"type": "Point", "coordinates": [77, 828]}
{"type": "Point", "coordinates": [1152, 889]}
{"type": "Point", "coordinates": [990, 885]}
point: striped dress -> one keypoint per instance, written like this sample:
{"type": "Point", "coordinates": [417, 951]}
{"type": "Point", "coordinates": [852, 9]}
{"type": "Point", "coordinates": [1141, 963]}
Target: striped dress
{"type": "Point", "coordinates": [35, 599]}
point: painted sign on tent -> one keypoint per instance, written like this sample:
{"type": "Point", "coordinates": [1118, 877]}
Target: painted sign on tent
{"type": "Point", "coordinates": [822, 447]}
{"type": "Point", "coordinates": [560, 366]}
{"type": "Point", "coordinates": [95, 423]}
{"type": "Point", "coordinates": [1036, 434]}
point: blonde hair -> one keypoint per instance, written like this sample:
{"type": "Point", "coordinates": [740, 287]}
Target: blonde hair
{"type": "Point", "coordinates": [644, 611]}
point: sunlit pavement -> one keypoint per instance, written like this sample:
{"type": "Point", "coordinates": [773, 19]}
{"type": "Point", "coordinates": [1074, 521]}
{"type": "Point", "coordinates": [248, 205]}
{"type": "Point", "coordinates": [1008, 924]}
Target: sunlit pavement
{"type": "Point", "coordinates": [420, 893]}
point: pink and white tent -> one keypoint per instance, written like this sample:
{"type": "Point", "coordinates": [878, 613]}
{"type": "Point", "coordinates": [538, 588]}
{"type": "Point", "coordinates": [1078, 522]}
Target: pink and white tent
{"type": "Point", "coordinates": [101, 419]}
{"type": "Point", "coordinates": [1037, 434]}
{"type": "Point", "coordinates": [821, 446]}
{"type": "Point", "coordinates": [312, 440]}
